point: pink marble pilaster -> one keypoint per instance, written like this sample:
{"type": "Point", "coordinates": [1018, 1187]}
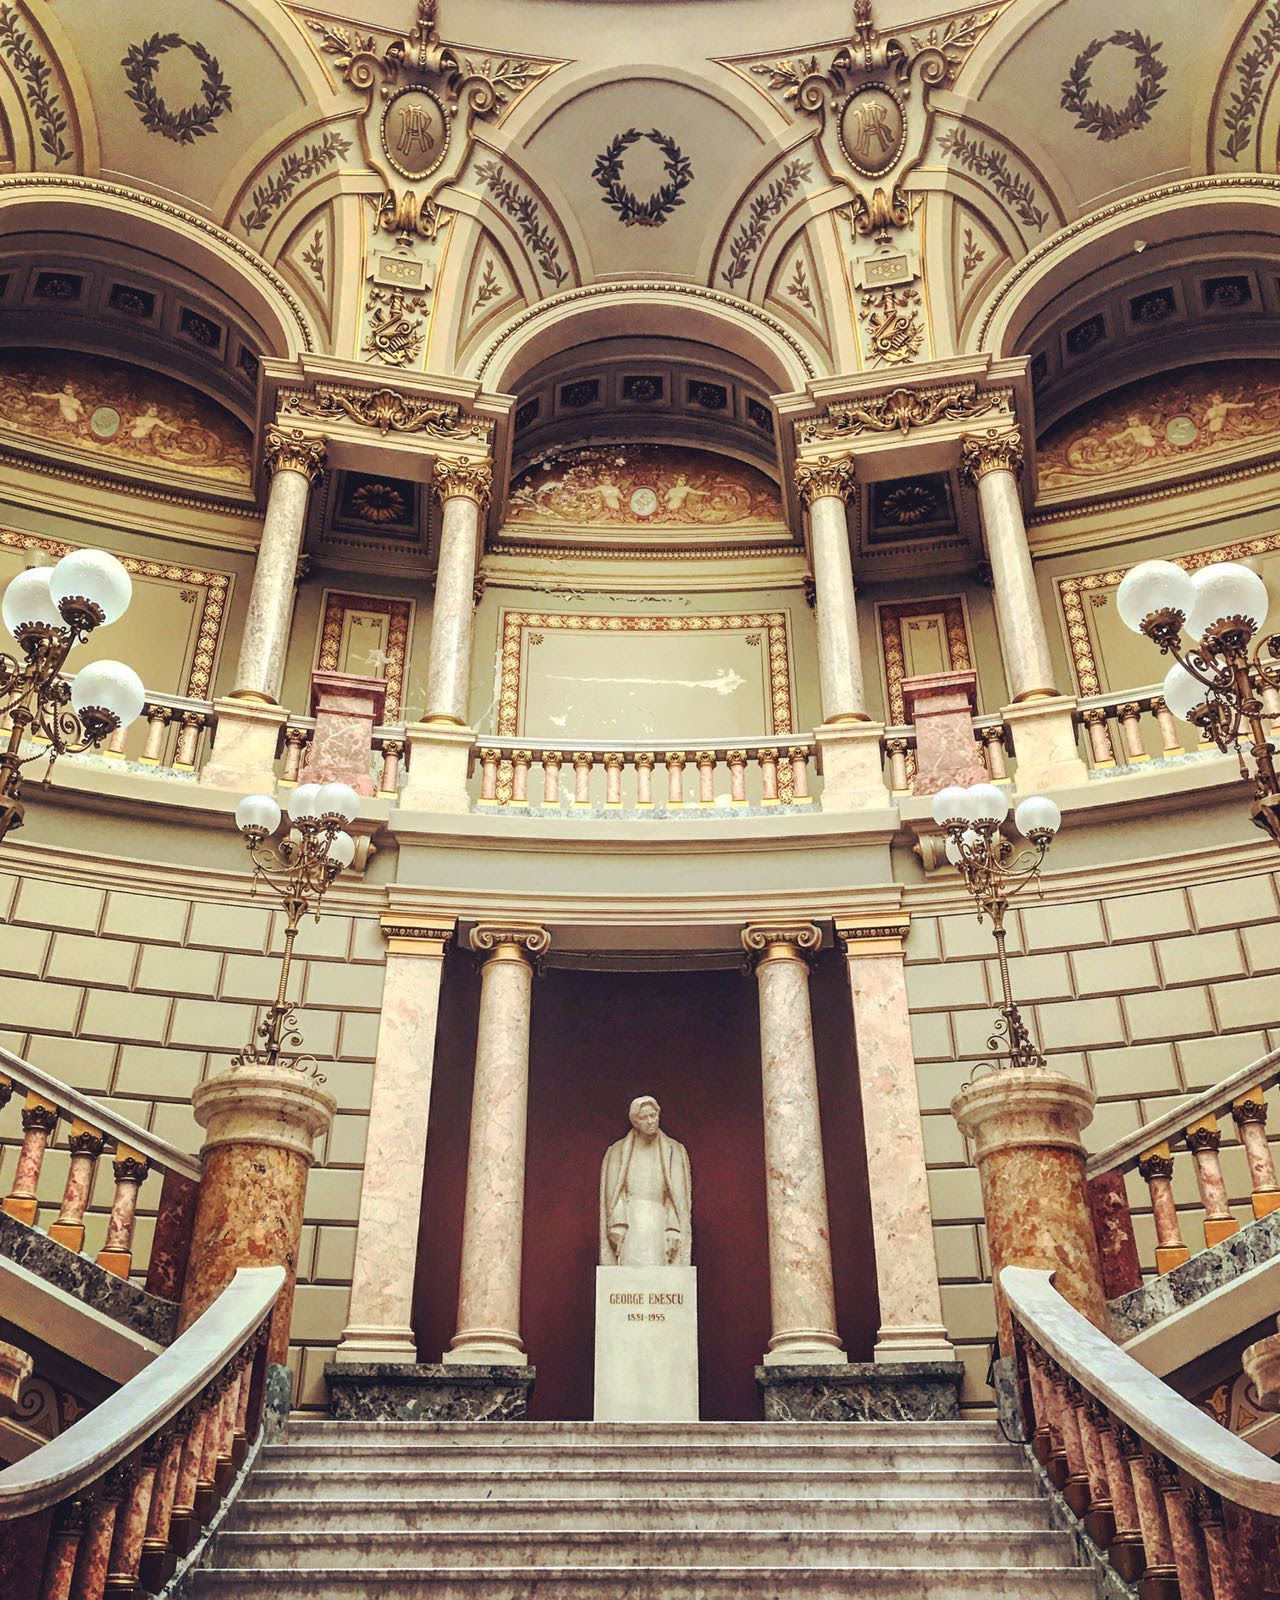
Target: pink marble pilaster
{"type": "Point", "coordinates": [346, 709]}
{"type": "Point", "coordinates": [941, 704]}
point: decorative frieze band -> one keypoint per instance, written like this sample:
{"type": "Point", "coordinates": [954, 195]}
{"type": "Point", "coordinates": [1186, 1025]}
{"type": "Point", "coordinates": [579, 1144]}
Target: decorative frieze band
{"type": "Point", "coordinates": [903, 409]}
{"type": "Point", "coordinates": [291, 450]}
{"type": "Point", "coordinates": [996, 450]}
{"type": "Point", "coordinates": [827, 477]}
{"type": "Point", "coordinates": [882, 938]}
{"type": "Point", "coordinates": [464, 479]}
{"type": "Point", "coordinates": [407, 937]}
{"type": "Point", "coordinates": [386, 410]}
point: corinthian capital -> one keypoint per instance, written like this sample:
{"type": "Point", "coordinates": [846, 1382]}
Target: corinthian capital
{"type": "Point", "coordinates": [464, 478]}
{"type": "Point", "coordinates": [829, 477]}
{"type": "Point", "coordinates": [996, 450]}
{"type": "Point", "coordinates": [291, 450]}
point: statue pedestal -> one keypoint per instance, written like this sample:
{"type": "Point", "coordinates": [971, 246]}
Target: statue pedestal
{"type": "Point", "coordinates": [646, 1344]}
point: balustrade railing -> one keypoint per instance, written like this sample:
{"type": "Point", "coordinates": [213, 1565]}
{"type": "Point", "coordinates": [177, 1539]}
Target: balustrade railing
{"type": "Point", "coordinates": [992, 747]}
{"type": "Point", "coordinates": [1178, 1505]}
{"type": "Point", "coordinates": [388, 755]}
{"type": "Point", "coordinates": [521, 775]}
{"type": "Point", "coordinates": [1189, 1138]}
{"type": "Point", "coordinates": [1132, 728]}
{"type": "Point", "coordinates": [172, 735]}
{"type": "Point", "coordinates": [112, 1504]}
{"type": "Point", "coordinates": [47, 1107]}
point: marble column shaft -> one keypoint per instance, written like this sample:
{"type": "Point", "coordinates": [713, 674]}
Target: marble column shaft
{"type": "Point", "coordinates": [453, 611]}
{"type": "Point", "coordinates": [839, 658]}
{"type": "Point", "coordinates": [493, 1220]}
{"type": "Point", "coordinates": [801, 1283]}
{"type": "Point", "coordinates": [295, 465]}
{"type": "Point", "coordinates": [911, 1325]}
{"type": "Point", "coordinates": [379, 1319]}
{"type": "Point", "coordinates": [1024, 638]}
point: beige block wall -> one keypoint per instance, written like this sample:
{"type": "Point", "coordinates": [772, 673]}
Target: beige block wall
{"type": "Point", "coordinates": [136, 998]}
{"type": "Point", "coordinates": [1146, 997]}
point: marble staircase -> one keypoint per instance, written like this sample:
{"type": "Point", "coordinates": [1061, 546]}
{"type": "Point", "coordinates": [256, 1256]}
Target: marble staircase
{"type": "Point", "coordinates": [578, 1511]}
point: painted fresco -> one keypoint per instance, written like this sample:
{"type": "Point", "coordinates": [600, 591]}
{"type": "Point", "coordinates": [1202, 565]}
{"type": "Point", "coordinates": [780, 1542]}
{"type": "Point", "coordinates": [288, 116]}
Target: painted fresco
{"type": "Point", "coordinates": [1195, 418]}
{"type": "Point", "coordinates": [119, 415]}
{"type": "Point", "coordinates": [643, 486]}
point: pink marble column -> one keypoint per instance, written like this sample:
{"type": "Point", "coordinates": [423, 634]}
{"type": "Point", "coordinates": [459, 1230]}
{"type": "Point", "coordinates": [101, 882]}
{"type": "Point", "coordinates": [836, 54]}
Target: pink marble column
{"type": "Point", "coordinates": [493, 1222]}
{"type": "Point", "coordinates": [911, 1326]}
{"type": "Point", "coordinates": [39, 1121]}
{"type": "Point", "coordinates": [941, 704]}
{"type": "Point", "coordinates": [346, 709]}
{"type": "Point", "coordinates": [130, 1169]}
{"type": "Point", "coordinates": [801, 1285]}
{"type": "Point", "coordinates": [380, 1314]}
{"type": "Point", "coordinates": [85, 1144]}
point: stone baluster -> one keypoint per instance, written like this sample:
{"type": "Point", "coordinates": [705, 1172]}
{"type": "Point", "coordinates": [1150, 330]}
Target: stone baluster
{"type": "Point", "coordinates": [825, 486]}
{"type": "Point", "coordinates": [1053, 1446]}
{"type": "Point", "coordinates": [552, 760]}
{"type": "Point", "coordinates": [240, 1435]}
{"type": "Point", "coordinates": [187, 745]}
{"type": "Point", "coordinates": [493, 1220]}
{"type": "Point", "coordinates": [675, 777]}
{"type": "Point", "coordinates": [115, 743]}
{"type": "Point", "coordinates": [1160, 1567]}
{"type": "Point", "coordinates": [1224, 1568]}
{"type": "Point", "coordinates": [489, 759]}
{"type": "Point", "coordinates": [506, 782]}
{"type": "Point", "coordinates": [1184, 1533]}
{"type": "Point", "coordinates": [897, 751]}
{"type": "Point", "coordinates": [801, 1284]}
{"type": "Point", "coordinates": [767, 760]}
{"type": "Point", "coordinates": [85, 1144]}
{"type": "Point", "coordinates": [1091, 1418]}
{"type": "Point", "coordinates": [1203, 1138]}
{"type": "Point", "coordinates": [1249, 1112]}
{"type": "Point", "coordinates": [129, 1168]}
{"type": "Point", "coordinates": [737, 760]}
{"type": "Point", "coordinates": [993, 747]}
{"type": "Point", "coordinates": [614, 762]}
{"type": "Point", "coordinates": [94, 1560]}
{"type": "Point", "coordinates": [157, 1563]}
{"type": "Point", "coordinates": [158, 719]}
{"type": "Point", "coordinates": [295, 748]}
{"type": "Point", "coordinates": [521, 761]}
{"type": "Point", "coordinates": [1075, 1487]}
{"type": "Point", "coordinates": [183, 1527]}
{"type": "Point", "coordinates": [207, 1477]}
{"type": "Point", "coordinates": [1099, 734]}
{"type": "Point", "coordinates": [1125, 1548]}
{"type": "Point", "coordinates": [1156, 1170]}
{"type": "Point", "coordinates": [125, 1564]}
{"type": "Point", "coordinates": [464, 488]}
{"type": "Point", "coordinates": [798, 756]}
{"type": "Point", "coordinates": [644, 763]}
{"type": "Point", "coordinates": [39, 1120]}
{"type": "Point", "coordinates": [1129, 716]}
{"type": "Point", "coordinates": [70, 1523]}
{"type": "Point", "coordinates": [225, 1471]}
{"type": "Point", "coordinates": [583, 761]}
{"type": "Point", "coordinates": [706, 762]}
{"type": "Point", "coordinates": [392, 755]}
{"type": "Point", "coordinates": [1044, 1440]}
{"type": "Point", "coordinates": [1170, 738]}
{"type": "Point", "coordinates": [786, 780]}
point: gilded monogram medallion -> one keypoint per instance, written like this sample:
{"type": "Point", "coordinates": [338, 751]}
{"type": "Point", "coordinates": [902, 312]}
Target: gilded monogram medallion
{"type": "Point", "coordinates": [871, 125]}
{"type": "Point", "coordinates": [415, 132]}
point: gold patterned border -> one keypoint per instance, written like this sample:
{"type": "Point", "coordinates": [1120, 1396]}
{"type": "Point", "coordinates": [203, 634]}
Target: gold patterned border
{"type": "Point", "coordinates": [773, 624]}
{"type": "Point", "coordinates": [336, 606]}
{"type": "Point", "coordinates": [893, 652]}
{"type": "Point", "coordinates": [1071, 592]}
{"type": "Point", "coordinates": [216, 586]}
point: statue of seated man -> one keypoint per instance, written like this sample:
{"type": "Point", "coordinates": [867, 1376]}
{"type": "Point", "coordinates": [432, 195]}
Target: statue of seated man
{"type": "Point", "coordinates": [645, 1195]}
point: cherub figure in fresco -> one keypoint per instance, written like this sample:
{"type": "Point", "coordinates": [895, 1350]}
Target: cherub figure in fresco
{"type": "Point", "coordinates": [1218, 409]}
{"type": "Point", "coordinates": [68, 402]}
{"type": "Point", "coordinates": [1137, 432]}
{"type": "Point", "coordinates": [678, 494]}
{"type": "Point", "coordinates": [610, 494]}
{"type": "Point", "coordinates": [145, 425]}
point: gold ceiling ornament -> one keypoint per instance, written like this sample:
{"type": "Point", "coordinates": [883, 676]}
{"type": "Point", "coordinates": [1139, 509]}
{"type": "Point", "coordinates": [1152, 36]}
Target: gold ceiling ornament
{"type": "Point", "coordinates": [827, 477]}
{"type": "Point", "coordinates": [894, 331]}
{"type": "Point", "coordinates": [902, 409]}
{"type": "Point", "coordinates": [996, 450]}
{"type": "Point", "coordinates": [464, 479]}
{"type": "Point", "coordinates": [384, 409]}
{"type": "Point", "coordinates": [393, 332]}
{"type": "Point", "coordinates": [421, 98]}
{"type": "Point", "coordinates": [291, 450]}
{"type": "Point", "coordinates": [872, 106]}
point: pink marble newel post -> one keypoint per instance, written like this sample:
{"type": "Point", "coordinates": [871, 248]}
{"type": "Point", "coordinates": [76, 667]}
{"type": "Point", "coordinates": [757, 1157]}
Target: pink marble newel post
{"type": "Point", "coordinates": [346, 709]}
{"type": "Point", "coordinates": [911, 1326]}
{"type": "Point", "coordinates": [941, 704]}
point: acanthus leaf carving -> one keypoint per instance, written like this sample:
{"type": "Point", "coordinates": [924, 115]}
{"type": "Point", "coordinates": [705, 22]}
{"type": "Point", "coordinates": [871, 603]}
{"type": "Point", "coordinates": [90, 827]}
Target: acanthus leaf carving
{"type": "Point", "coordinates": [902, 409]}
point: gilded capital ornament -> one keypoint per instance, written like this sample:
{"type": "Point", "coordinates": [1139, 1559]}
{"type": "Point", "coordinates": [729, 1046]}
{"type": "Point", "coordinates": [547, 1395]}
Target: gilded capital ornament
{"type": "Point", "coordinates": [464, 479]}
{"type": "Point", "coordinates": [996, 450]}
{"type": "Point", "coordinates": [511, 942]}
{"type": "Point", "coordinates": [780, 941]}
{"type": "Point", "coordinates": [291, 450]}
{"type": "Point", "coordinates": [826, 478]}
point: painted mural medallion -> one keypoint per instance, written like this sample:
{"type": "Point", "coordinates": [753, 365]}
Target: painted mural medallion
{"type": "Point", "coordinates": [415, 132]}
{"type": "Point", "coordinates": [644, 502]}
{"type": "Point", "coordinates": [872, 128]}
{"type": "Point", "coordinates": [1181, 430]}
{"type": "Point", "coordinates": [105, 422]}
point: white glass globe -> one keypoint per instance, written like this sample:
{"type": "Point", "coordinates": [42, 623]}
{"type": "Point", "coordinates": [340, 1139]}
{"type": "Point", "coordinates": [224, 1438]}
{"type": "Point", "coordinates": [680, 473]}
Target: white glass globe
{"type": "Point", "coordinates": [989, 803]}
{"type": "Point", "coordinates": [342, 850]}
{"type": "Point", "coordinates": [258, 813]}
{"type": "Point", "coordinates": [952, 805]}
{"type": "Point", "coordinates": [302, 803]}
{"type": "Point", "coordinates": [107, 695]}
{"type": "Point", "coordinates": [94, 581]}
{"type": "Point", "coordinates": [1153, 586]}
{"type": "Point", "coordinates": [1037, 814]}
{"type": "Point", "coordinates": [337, 800]}
{"type": "Point", "coordinates": [1183, 693]}
{"type": "Point", "coordinates": [1226, 589]}
{"type": "Point", "coordinates": [27, 602]}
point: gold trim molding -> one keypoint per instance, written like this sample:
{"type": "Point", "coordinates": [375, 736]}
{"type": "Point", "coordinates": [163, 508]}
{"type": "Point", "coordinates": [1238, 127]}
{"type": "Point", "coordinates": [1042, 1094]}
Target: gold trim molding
{"type": "Point", "coordinates": [892, 614]}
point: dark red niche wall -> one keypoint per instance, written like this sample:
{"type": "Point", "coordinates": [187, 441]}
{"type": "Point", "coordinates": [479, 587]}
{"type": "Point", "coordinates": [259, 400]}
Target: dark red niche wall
{"type": "Point", "coordinates": [597, 1040]}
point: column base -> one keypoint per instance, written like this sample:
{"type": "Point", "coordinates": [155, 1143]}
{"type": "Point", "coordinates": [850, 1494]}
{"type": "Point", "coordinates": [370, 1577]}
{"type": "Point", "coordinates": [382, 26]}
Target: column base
{"type": "Point", "coordinates": [862, 1391]}
{"type": "Point", "coordinates": [379, 1346]}
{"type": "Point", "coordinates": [912, 1342]}
{"type": "Point", "coordinates": [245, 741]}
{"type": "Point", "coordinates": [378, 1391]}
{"type": "Point", "coordinates": [484, 1349]}
{"type": "Point", "coordinates": [804, 1348]}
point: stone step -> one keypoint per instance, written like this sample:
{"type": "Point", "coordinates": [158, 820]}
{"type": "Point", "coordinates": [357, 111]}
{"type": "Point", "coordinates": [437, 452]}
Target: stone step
{"type": "Point", "coordinates": [625, 1516]}
{"type": "Point", "coordinates": [316, 1430]}
{"type": "Point", "coordinates": [650, 1583]}
{"type": "Point", "coordinates": [441, 1456]}
{"type": "Point", "coordinates": [811, 1547]}
{"type": "Point", "coordinates": [855, 1483]}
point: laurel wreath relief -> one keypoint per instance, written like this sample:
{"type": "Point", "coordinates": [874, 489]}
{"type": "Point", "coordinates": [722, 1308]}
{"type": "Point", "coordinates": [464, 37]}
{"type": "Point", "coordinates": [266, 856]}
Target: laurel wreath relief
{"type": "Point", "coordinates": [190, 122]}
{"type": "Point", "coordinates": [632, 211]}
{"type": "Point", "coordinates": [1110, 122]}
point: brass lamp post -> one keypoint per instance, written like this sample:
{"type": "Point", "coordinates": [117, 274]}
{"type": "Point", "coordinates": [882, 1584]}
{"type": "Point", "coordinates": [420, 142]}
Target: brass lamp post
{"type": "Point", "coordinates": [995, 871]}
{"type": "Point", "coordinates": [1218, 671]}
{"type": "Point", "coordinates": [50, 610]}
{"type": "Point", "coordinates": [299, 868]}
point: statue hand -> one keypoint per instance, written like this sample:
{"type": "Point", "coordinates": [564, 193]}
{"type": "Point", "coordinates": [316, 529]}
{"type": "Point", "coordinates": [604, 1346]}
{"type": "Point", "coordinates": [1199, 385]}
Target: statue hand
{"type": "Point", "coordinates": [673, 1246]}
{"type": "Point", "coordinates": [616, 1236]}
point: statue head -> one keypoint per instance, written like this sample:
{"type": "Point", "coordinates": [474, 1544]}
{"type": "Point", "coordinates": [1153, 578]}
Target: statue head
{"type": "Point", "coordinates": [645, 1112]}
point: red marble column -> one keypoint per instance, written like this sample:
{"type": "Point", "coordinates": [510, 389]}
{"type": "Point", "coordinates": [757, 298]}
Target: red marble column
{"type": "Point", "coordinates": [941, 704]}
{"type": "Point", "coordinates": [346, 709]}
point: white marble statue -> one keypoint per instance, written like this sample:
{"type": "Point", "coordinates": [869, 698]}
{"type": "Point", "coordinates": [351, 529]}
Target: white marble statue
{"type": "Point", "coordinates": [645, 1195]}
